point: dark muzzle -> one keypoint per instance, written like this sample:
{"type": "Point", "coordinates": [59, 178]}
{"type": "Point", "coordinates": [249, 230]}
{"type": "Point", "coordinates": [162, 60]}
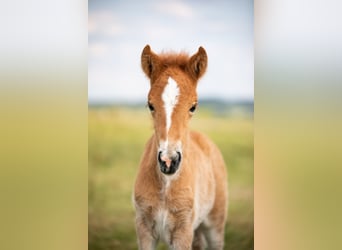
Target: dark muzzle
{"type": "Point", "coordinates": [169, 166]}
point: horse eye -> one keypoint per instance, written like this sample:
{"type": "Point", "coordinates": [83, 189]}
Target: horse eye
{"type": "Point", "coordinates": [193, 108]}
{"type": "Point", "coordinates": [150, 106]}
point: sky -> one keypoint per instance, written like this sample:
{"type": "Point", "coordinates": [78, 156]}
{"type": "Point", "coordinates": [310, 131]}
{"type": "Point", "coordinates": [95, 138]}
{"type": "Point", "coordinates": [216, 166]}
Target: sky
{"type": "Point", "coordinates": [119, 30]}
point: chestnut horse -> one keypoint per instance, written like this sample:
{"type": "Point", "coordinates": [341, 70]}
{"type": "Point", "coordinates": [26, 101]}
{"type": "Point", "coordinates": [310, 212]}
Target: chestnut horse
{"type": "Point", "coordinates": [180, 193]}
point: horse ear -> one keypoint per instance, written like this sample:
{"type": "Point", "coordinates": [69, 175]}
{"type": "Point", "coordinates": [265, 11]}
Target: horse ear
{"type": "Point", "coordinates": [149, 61]}
{"type": "Point", "coordinates": [198, 63]}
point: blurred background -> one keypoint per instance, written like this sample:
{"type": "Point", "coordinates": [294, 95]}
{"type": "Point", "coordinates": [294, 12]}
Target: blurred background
{"type": "Point", "coordinates": [44, 126]}
{"type": "Point", "coordinates": [119, 123]}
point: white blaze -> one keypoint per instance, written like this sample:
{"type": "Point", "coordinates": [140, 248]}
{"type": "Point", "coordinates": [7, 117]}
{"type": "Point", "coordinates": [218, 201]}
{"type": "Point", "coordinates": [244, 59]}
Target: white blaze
{"type": "Point", "coordinates": [170, 99]}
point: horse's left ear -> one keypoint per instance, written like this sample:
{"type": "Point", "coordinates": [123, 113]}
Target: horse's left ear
{"type": "Point", "coordinates": [198, 63]}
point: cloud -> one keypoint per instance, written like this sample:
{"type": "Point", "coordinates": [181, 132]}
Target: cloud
{"type": "Point", "coordinates": [104, 23]}
{"type": "Point", "coordinates": [98, 49]}
{"type": "Point", "coordinates": [177, 9]}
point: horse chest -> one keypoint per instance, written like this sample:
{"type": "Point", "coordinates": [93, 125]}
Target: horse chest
{"type": "Point", "coordinates": [163, 223]}
{"type": "Point", "coordinates": [162, 217]}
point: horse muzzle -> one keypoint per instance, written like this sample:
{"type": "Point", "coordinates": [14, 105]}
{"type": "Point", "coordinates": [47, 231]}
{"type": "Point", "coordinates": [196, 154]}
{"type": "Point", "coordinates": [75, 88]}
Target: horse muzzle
{"type": "Point", "coordinates": [169, 165]}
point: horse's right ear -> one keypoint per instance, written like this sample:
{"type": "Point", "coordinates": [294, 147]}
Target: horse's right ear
{"type": "Point", "coordinates": [149, 61]}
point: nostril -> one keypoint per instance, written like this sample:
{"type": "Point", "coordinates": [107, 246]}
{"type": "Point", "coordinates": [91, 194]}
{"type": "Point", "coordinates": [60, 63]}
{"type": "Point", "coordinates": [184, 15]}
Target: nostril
{"type": "Point", "coordinates": [159, 156]}
{"type": "Point", "coordinates": [179, 156]}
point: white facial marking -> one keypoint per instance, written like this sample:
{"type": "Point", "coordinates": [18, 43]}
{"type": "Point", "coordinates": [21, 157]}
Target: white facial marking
{"type": "Point", "coordinates": [170, 99]}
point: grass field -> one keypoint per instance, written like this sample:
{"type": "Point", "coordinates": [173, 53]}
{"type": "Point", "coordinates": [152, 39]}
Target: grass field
{"type": "Point", "coordinates": [117, 137]}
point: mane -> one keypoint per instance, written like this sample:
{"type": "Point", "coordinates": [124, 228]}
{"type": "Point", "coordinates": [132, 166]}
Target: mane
{"type": "Point", "coordinates": [174, 59]}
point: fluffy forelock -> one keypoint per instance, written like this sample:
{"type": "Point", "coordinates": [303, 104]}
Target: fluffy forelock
{"type": "Point", "coordinates": [174, 59]}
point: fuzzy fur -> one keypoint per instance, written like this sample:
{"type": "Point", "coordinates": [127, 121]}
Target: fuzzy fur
{"type": "Point", "coordinates": [187, 209]}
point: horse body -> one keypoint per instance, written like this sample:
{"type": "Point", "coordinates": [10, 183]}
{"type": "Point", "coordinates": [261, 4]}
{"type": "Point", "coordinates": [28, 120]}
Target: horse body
{"type": "Point", "coordinates": [180, 192]}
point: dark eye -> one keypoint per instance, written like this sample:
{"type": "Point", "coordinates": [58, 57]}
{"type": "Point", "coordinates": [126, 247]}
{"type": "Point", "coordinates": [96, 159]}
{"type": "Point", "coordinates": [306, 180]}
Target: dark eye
{"type": "Point", "coordinates": [193, 108]}
{"type": "Point", "coordinates": [150, 106]}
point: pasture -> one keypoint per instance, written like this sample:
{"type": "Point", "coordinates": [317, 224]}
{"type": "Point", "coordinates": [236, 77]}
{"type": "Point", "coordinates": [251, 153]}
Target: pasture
{"type": "Point", "coordinates": [117, 136]}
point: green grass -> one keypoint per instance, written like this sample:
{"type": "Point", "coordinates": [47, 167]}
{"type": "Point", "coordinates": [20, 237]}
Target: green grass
{"type": "Point", "coordinates": [116, 140]}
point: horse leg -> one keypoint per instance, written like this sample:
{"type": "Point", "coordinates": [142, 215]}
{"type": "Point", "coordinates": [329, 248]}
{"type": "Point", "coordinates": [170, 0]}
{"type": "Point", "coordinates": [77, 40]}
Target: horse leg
{"type": "Point", "coordinates": [146, 241]}
{"type": "Point", "coordinates": [182, 237]}
{"type": "Point", "coordinates": [198, 242]}
{"type": "Point", "coordinates": [215, 238]}
{"type": "Point", "coordinates": [214, 232]}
